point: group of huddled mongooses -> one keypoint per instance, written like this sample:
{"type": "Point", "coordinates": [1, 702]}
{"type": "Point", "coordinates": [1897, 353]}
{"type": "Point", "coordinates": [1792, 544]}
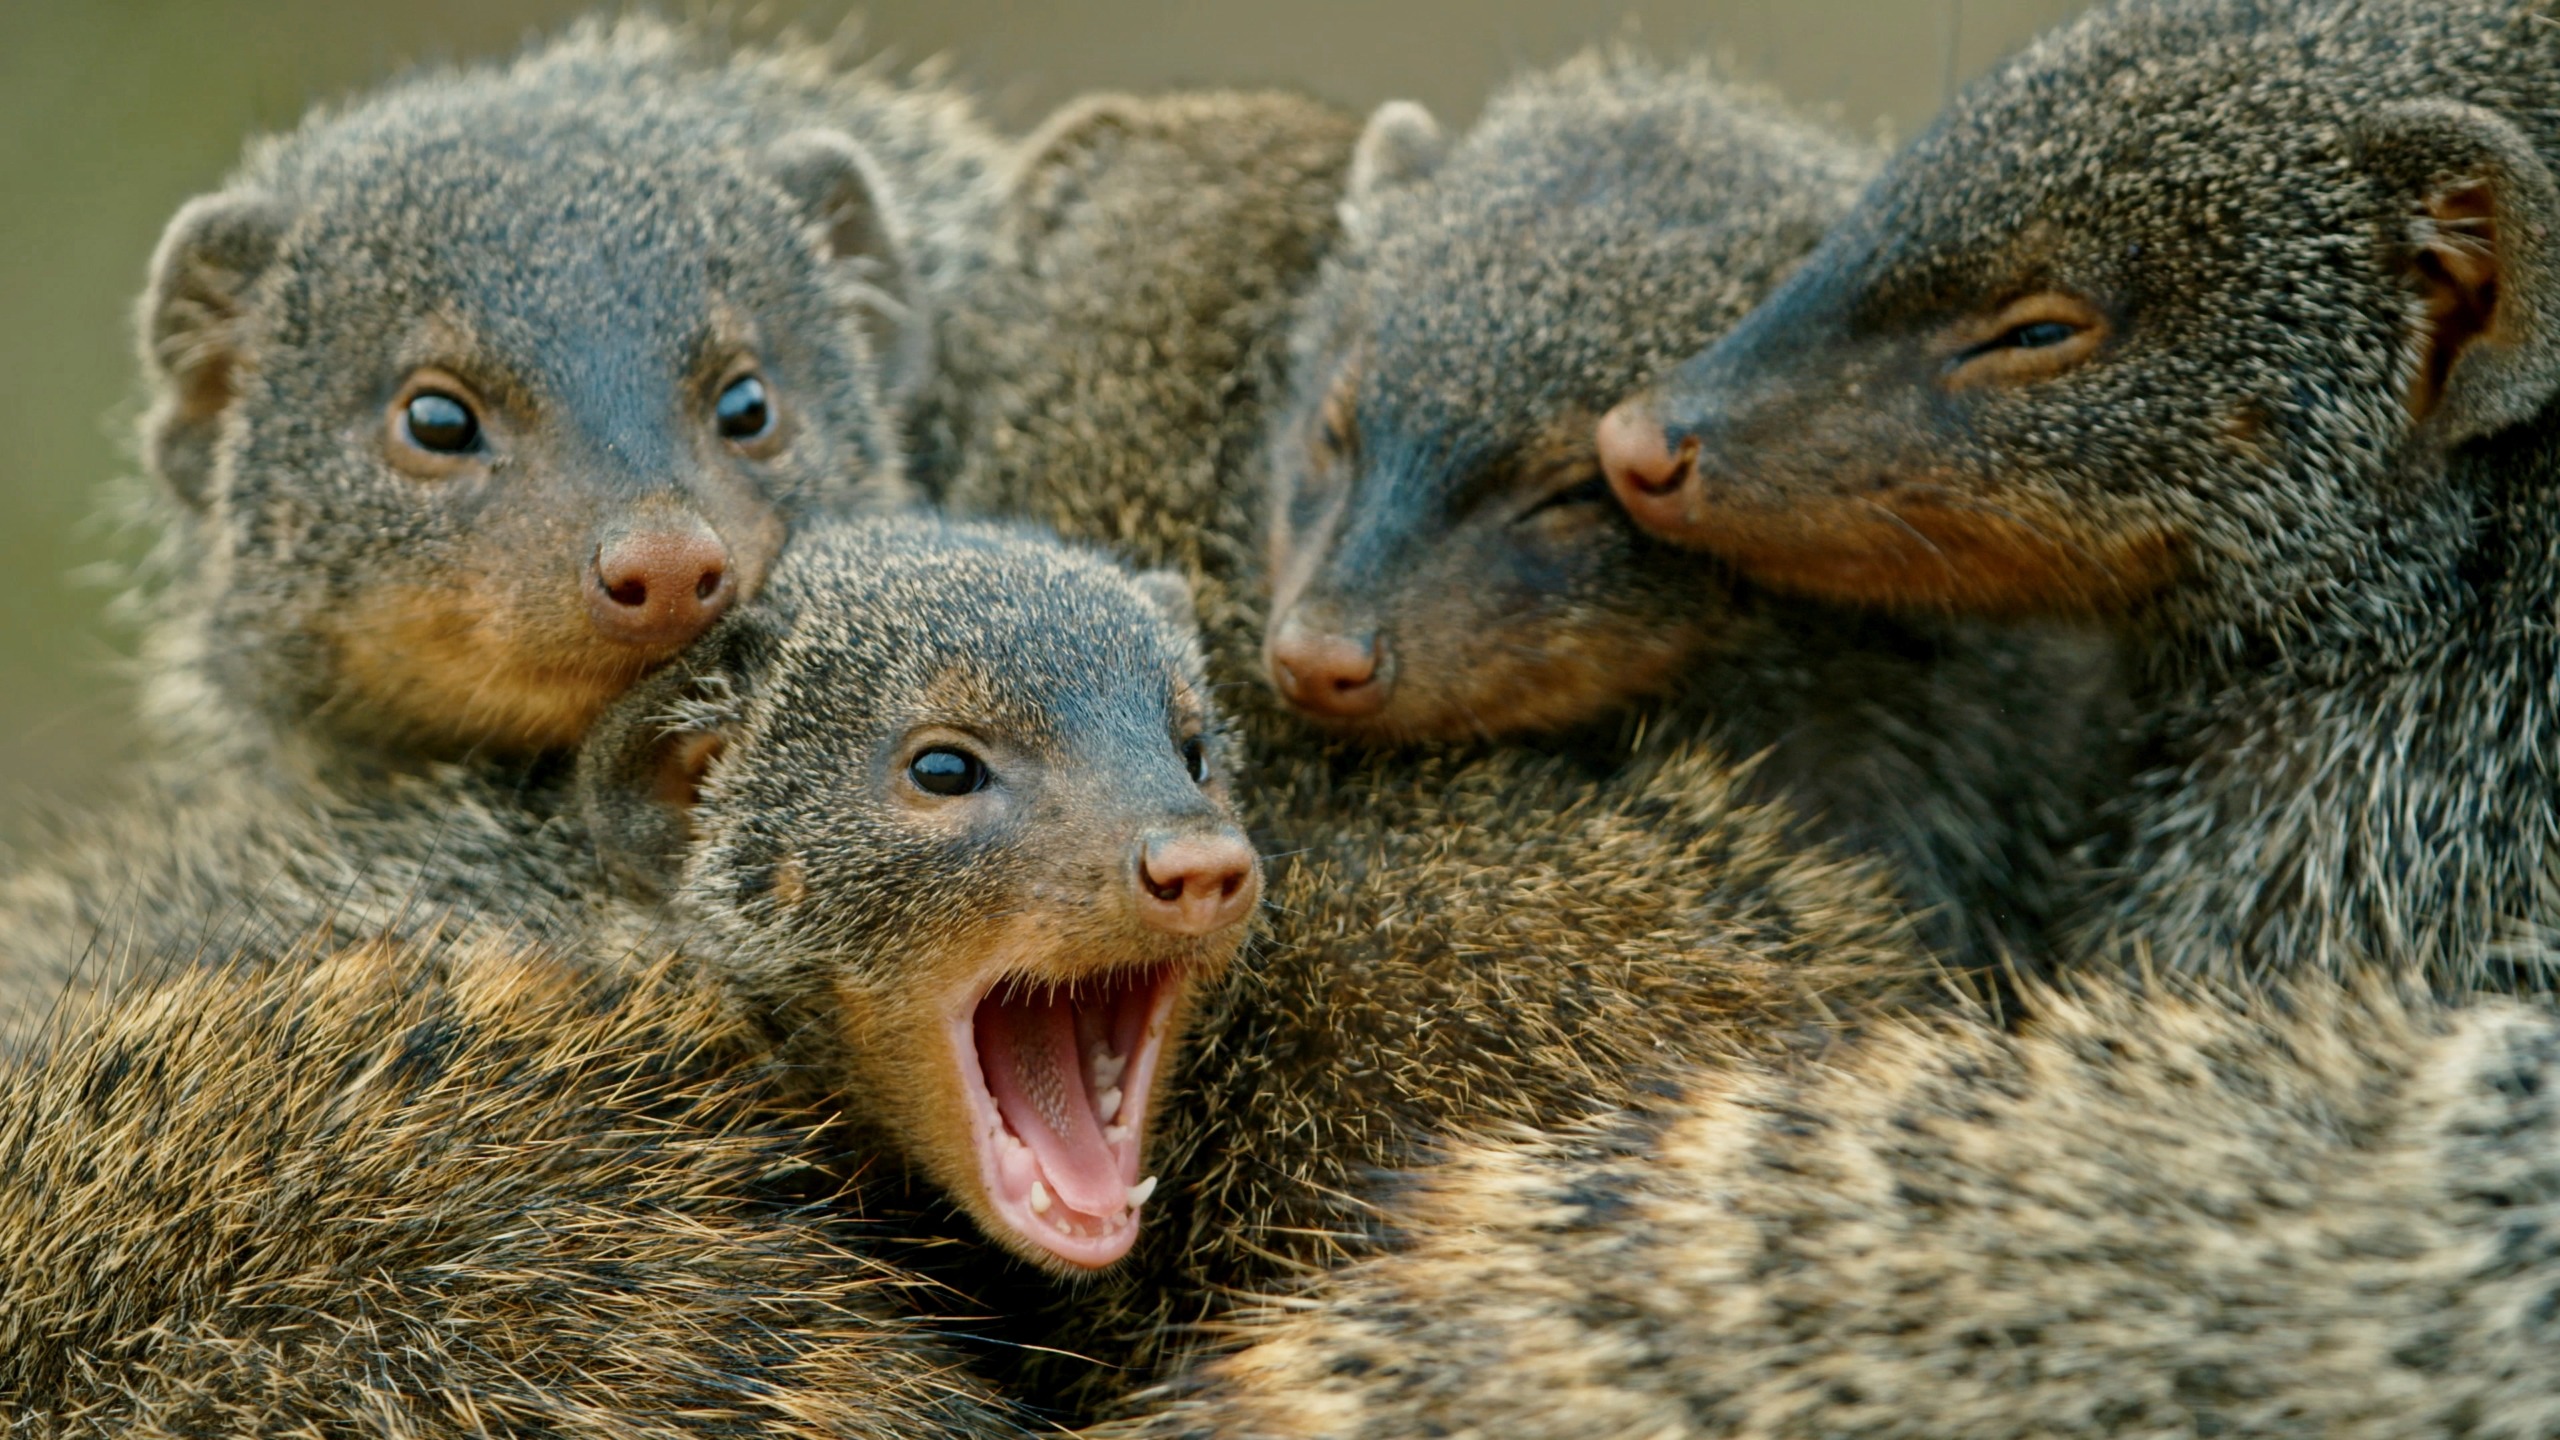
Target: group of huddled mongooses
{"type": "Point", "coordinates": [1217, 772]}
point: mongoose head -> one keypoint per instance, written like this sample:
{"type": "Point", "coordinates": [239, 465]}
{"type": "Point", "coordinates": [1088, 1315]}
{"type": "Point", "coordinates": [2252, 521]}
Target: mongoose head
{"type": "Point", "coordinates": [1444, 555]}
{"type": "Point", "coordinates": [495, 390]}
{"type": "Point", "coordinates": [2186, 303]}
{"type": "Point", "coordinates": [953, 808]}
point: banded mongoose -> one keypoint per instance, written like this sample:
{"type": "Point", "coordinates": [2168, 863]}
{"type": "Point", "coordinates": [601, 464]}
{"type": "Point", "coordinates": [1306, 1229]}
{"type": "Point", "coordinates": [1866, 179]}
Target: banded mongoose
{"type": "Point", "coordinates": [950, 809]}
{"type": "Point", "coordinates": [478, 398]}
{"type": "Point", "coordinates": [1455, 934]}
{"type": "Point", "coordinates": [495, 388]}
{"type": "Point", "coordinates": [475, 1191]}
{"type": "Point", "coordinates": [2230, 324]}
{"type": "Point", "coordinates": [1445, 556]}
{"type": "Point", "coordinates": [2146, 1214]}
{"type": "Point", "coordinates": [939, 820]}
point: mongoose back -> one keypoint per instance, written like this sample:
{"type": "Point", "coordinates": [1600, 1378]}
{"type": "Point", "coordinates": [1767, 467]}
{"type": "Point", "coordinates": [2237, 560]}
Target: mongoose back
{"type": "Point", "coordinates": [1456, 934]}
{"type": "Point", "coordinates": [2230, 324]}
{"type": "Point", "coordinates": [2147, 1214]}
{"type": "Point", "coordinates": [1445, 557]}
{"type": "Point", "coordinates": [454, 1193]}
{"type": "Point", "coordinates": [485, 393]}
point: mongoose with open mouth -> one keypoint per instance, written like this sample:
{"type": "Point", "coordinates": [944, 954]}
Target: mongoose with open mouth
{"type": "Point", "coordinates": [937, 832]}
{"type": "Point", "coordinates": [2232, 325]}
{"type": "Point", "coordinates": [950, 807]}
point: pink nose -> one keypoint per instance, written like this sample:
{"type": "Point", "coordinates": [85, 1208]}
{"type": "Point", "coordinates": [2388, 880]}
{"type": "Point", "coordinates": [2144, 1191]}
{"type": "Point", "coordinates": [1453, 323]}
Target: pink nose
{"type": "Point", "coordinates": [1650, 479]}
{"type": "Point", "coordinates": [659, 588]}
{"type": "Point", "coordinates": [1196, 884]}
{"type": "Point", "coordinates": [1327, 674]}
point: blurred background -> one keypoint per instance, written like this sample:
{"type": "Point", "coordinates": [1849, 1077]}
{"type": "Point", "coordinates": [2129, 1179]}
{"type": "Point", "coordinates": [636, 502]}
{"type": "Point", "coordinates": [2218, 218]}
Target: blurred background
{"type": "Point", "coordinates": [111, 114]}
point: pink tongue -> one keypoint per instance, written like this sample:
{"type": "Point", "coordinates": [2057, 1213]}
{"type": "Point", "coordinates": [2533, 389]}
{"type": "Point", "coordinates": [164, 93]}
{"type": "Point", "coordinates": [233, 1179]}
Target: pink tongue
{"type": "Point", "coordinates": [1027, 1046]}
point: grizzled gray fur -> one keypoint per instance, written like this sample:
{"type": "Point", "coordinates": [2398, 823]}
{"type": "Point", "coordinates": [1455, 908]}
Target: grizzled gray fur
{"type": "Point", "coordinates": [1438, 506]}
{"type": "Point", "coordinates": [2147, 1214]}
{"type": "Point", "coordinates": [404, 1181]}
{"type": "Point", "coordinates": [580, 249]}
{"type": "Point", "coordinates": [2232, 324]}
{"type": "Point", "coordinates": [1457, 933]}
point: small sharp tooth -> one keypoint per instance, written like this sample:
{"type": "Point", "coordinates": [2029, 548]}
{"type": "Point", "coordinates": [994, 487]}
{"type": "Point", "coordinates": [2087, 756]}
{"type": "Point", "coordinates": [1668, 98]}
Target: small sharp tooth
{"type": "Point", "coordinates": [1039, 1198]}
{"type": "Point", "coordinates": [1116, 1134]}
{"type": "Point", "coordinates": [1107, 1104]}
{"type": "Point", "coordinates": [1106, 1067]}
{"type": "Point", "coordinates": [1139, 1192]}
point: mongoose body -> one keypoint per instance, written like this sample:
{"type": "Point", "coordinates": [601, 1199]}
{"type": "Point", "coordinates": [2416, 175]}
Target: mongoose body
{"type": "Point", "coordinates": [2143, 1214]}
{"type": "Point", "coordinates": [936, 832]}
{"type": "Point", "coordinates": [2230, 324]}
{"type": "Point", "coordinates": [1446, 560]}
{"type": "Point", "coordinates": [1456, 934]}
{"type": "Point", "coordinates": [384, 1192]}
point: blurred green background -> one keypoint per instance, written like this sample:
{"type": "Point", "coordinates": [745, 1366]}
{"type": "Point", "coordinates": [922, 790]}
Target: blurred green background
{"type": "Point", "coordinates": [111, 114]}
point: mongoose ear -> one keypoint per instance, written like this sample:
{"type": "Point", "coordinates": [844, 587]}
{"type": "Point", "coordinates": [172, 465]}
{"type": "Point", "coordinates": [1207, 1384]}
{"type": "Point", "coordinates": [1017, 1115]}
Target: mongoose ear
{"type": "Point", "coordinates": [842, 191]}
{"type": "Point", "coordinates": [1058, 160]}
{"type": "Point", "coordinates": [209, 258]}
{"type": "Point", "coordinates": [2483, 246]}
{"type": "Point", "coordinates": [1400, 145]}
{"type": "Point", "coordinates": [1170, 592]}
{"type": "Point", "coordinates": [643, 766]}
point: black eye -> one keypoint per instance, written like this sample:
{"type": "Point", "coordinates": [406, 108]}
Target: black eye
{"type": "Point", "coordinates": [948, 772]}
{"type": "Point", "coordinates": [744, 411]}
{"type": "Point", "coordinates": [1195, 758]}
{"type": "Point", "coordinates": [1591, 491]}
{"type": "Point", "coordinates": [439, 422]}
{"type": "Point", "coordinates": [2034, 337]}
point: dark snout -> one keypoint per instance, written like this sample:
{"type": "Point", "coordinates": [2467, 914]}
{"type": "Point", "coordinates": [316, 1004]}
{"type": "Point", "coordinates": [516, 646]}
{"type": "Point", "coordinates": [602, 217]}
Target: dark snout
{"type": "Point", "coordinates": [1195, 882]}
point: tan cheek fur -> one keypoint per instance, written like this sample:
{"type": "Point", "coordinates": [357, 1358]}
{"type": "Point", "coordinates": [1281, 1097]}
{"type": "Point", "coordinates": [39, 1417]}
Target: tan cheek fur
{"type": "Point", "coordinates": [462, 666]}
{"type": "Point", "coordinates": [1936, 547]}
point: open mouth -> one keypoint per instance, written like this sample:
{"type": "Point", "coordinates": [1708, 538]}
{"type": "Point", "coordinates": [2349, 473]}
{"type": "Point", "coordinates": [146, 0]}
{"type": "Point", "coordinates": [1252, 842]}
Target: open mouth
{"type": "Point", "coordinates": [1057, 1077]}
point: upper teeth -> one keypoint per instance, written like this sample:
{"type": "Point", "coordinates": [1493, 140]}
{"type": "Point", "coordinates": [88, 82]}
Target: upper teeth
{"type": "Point", "coordinates": [1107, 1104]}
{"type": "Point", "coordinates": [1139, 1192]}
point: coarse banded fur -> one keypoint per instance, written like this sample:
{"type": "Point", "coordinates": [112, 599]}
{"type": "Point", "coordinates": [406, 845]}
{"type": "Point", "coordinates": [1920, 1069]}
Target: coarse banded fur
{"type": "Point", "coordinates": [905, 976]}
{"type": "Point", "coordinates": [387, 1191]}
{"type": "Point", "coordinates": [2312, 1212]}
{"type": "Point", "coordinates": [1446, 558]}
{"type": "Point", "coordinates": [367, 653]}
{"type": "Point", "coordinates": [1455, 934]}
{"type": "Point", "coordinates": [2230, 323]}
{"type": "Point", "coordinates": [575, 260]}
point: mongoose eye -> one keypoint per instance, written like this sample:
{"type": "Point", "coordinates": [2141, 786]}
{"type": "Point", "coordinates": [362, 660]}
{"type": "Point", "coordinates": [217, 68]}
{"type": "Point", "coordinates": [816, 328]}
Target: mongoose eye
{"type": "Point", "coordinates": [2036, 336]}
{"type": "Point", "coordinates": [440, 423]}
{"type": "Point", "coordinates": [2029, 339]}
{"type": "Point", "coordinates": [945, 771]}
{"type": "Point", "coordinates": [744, 411]}
{"type": "Point", "coordinates": [1592, 490]}
{"type": "Point", "coordinates": [1195, 758]}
